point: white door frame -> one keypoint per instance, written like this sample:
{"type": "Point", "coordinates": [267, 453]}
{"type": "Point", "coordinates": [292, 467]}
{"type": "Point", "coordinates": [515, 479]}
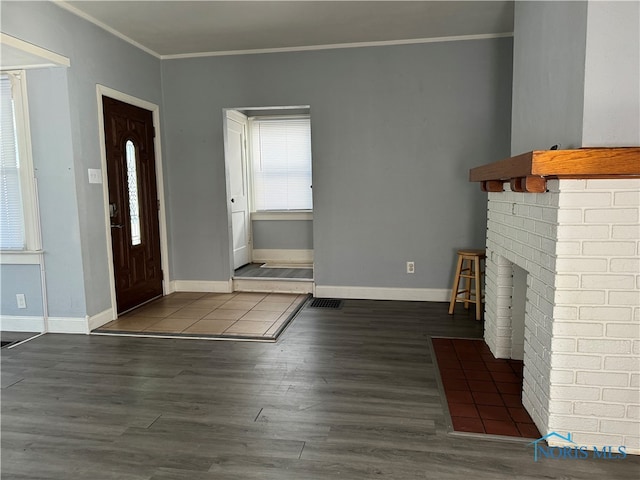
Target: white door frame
{"type": "Point", "coordinates": [225, 112]}
{"type": "Point", "coordinates": [101, 91]}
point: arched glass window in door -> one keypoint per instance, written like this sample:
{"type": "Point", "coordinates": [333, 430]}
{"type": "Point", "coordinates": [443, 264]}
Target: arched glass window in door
{"type": "Point", "coordinates": [132, 183]}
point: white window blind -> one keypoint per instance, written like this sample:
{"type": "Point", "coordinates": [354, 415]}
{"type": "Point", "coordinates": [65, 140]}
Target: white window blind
{"type": "Point", "coordinates": [12, 231]}
{"type": "Point", "coordinates": [281, 161]}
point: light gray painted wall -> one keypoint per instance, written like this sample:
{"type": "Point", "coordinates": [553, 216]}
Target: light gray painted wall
{"type": "Point", "coordinates": [21, 279]}
{"type": "Point", "coordinates": [96, 57]}
{"type": "Point", "coordinates": [282, 234]}
{"type": "Point", "coordinates": [395, 131]}
{"type": "Point", "coordinates": [50, 124]}
{"type": "Point", "coordinates": [612, 75]}
{"type": "Point", "coordinates": [548, 75]}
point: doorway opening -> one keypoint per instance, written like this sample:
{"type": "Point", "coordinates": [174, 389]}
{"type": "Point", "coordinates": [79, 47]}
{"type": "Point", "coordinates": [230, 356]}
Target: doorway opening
{"type": "Point", "coordinates": [133, 195]}
{"type": "Point", "coordinates": [270, 202]}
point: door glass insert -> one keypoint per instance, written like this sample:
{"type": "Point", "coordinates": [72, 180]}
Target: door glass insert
{"type": "Point", "coordinates": [132, 183]}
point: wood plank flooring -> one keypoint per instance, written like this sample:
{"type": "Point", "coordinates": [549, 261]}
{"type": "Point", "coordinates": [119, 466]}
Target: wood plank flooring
{"type": "Point", "coordinates": [256, 270]}
{"type": "Point", "coordinates": [347, 394]}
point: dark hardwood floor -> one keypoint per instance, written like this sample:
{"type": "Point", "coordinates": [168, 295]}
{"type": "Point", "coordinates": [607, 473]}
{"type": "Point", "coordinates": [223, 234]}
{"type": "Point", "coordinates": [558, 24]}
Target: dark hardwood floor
{"type": "Point", "coordinates": [256, 270]}
{"type": "Point", "coordinates": [349, 394]}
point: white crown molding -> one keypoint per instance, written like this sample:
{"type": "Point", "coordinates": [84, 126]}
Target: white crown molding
{"type": "Point", "coordinates": [112, 31]}
{"type": "Point", "coordinates": [382, 43]}
{"type": "Point", "coordinates": [63, 4]}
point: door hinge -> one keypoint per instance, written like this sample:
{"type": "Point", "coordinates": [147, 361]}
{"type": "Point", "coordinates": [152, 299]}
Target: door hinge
{"type": "Point", "coordinates": [158, 204]}
{"type": "Point", "coordinates": [153, 129]}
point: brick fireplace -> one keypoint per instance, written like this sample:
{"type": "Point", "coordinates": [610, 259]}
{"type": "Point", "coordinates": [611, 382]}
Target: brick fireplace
{"type": "Point", "coordinates": [571, 247]}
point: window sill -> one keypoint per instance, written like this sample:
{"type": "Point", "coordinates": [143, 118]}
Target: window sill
{"type": "Point", "coordinates": [281, 215]}
{"type": "Point", "coordinates": [21, 257]}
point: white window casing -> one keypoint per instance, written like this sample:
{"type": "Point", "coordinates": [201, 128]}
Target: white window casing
{"type": "Point", "coordinates": [19, 215]}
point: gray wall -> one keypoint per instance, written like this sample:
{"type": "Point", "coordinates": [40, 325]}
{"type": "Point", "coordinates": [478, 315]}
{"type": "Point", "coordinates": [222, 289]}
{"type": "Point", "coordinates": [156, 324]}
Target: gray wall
{"type": "Point", "coordinates": [73, 218]}
{"type": "Point", "coordinates": [21, 279]}
{"type": "Point", "coordinates": [612, 75]}
{"type": "Point", "coordinates": [395, 131]}
{"type": "Point", "coordinates": [548, 75]}
{"type": "Point", "coordinates": [282, 234]}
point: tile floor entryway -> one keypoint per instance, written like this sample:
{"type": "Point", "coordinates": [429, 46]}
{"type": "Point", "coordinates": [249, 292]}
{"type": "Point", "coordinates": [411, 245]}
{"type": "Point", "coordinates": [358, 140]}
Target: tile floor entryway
{"type": "Point", "coordinates": [218, 315]}
{"type": "Point", "coordinates": [484, 393]}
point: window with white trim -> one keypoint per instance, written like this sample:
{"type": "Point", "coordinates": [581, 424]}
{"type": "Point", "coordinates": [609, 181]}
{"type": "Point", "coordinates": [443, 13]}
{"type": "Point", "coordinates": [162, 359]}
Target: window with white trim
{"type": "Point", "coordinates": [18, 215]}
{"type": "Point", "coordinates": [280, 152]}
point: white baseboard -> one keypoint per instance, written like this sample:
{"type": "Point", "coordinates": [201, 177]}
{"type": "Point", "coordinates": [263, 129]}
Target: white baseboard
{"type": "Point", "coordinates": [282, 256]}
{"type": "Point", "coordinates": [67, 325]}
{"type": "Point", "coordinates": [100, 319]}
{"type": "Point", "coordinates": [202, 286]}
{"type": "Point", "coordinates": [272, 285]}
{"type": "Point", "coordinates": [15, 323]}
{"type": "Point", "coordinates": [377, 293]}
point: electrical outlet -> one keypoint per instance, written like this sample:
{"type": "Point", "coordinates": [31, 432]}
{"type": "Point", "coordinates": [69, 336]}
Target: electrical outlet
{"type": "Point", "coordinates": [21, 300]}
{"type": "Point", "coordinates": [411, 267]}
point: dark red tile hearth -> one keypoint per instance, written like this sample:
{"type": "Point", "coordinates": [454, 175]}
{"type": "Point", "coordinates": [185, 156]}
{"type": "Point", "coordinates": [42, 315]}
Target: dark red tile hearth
{"type": "Point", "coordinates": [498, 427]}
{"type": "Point", "coordinates": [484, 394]}
{"type": "Point", "coordinates": [467, 410]}
{"type": "Point", "coordinates": [463, 424]}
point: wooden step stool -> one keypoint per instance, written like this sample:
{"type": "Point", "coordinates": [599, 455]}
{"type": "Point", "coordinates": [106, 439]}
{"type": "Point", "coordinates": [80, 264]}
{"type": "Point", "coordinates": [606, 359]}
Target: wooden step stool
{"type": "Point", "coordinates": [469, 269]}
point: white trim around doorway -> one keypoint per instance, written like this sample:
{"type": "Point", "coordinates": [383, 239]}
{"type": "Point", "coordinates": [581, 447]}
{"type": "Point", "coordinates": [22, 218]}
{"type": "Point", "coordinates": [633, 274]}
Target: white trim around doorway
{"type": "Point", "coordinates": [101, 91]}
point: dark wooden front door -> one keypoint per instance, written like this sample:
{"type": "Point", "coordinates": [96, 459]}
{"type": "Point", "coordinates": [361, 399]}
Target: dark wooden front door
{"type": "Point", "coordinates": [133, 203]}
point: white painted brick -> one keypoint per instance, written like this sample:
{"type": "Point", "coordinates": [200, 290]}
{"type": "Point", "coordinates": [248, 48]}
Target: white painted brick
{"type": "Point", "coordinates": [584, 199]}
{"type": "Point", "coordinates": [619, 427]}
{"type": "Point", "coordinates": [582, 362]}
{"type": "Point", "coordinates": [625, 231]}
{"type": "Point", "coordinates": [620, 395]}
{"type": "Point", "coordinates": [568, 248]}
{"type": "Point", "coordinates": [580, 297]}
{"type": "Point", "coordinates": [561, 407]}
{"type": "Point", "coordinates": [614, 249]}
{"type": "Point", "coordinates": [625, 265]}
{"type": "Point", "coordinates": [597, 439]}
{"type": "Point", "coordinates": [602, 379]}
{"type": "Point", "coordinates": [581, 265]}
{"type": "Point", "coordinates": [616, 314]}
{"type": "Point", "coordinates": [635, 380]}
{"type": "Point", "coordinates": [604, 346]}
{"type": "Point", "coordinates": [572, 184]}
{"type": "Point", "coordinates": [636, 347]}
{"type": "Point", "coordinates": [613, 184]}
{"type": "Point", "coordinates": [573, 423]}
{"type": "Point", "coordinates": [633, 411]}
{"type": "Point", "coordinates": [608, 281]}
{"type": "Point", "coordinates": [599, 409]}
{"type": "Point", "coordinates": [567, 216]}
{"type": "Point", "coordinates": [581, 232]}
{"type": "Point", "coordinates": [628, 198]}
{"type": "Point", "coordinates": [623, 330]}
{"type": "Point", "coordinates": [624, 298]}
{"type": "Point", "coordinates": [577, 329]}
{"type": "Point", "coordinates": [631, 364]}
{"type": "Point", "coordinates": [558, 377]}
{"type": "Point", "coordinates": [567, 281]}
{"type": "Point", "coordinates": [563, 345]}
{"type": "Point", "coordinates": [611, 215]}
{"type": "Point", "coordinates": [632, 443]}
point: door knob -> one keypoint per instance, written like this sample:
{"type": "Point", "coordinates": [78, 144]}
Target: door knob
{"type": "Point", "coordinates": [233, 200]}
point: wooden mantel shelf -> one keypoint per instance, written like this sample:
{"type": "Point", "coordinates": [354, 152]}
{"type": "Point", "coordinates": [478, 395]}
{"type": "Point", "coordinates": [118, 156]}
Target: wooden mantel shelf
{"type": "Point", "coordinates": [530, 171]}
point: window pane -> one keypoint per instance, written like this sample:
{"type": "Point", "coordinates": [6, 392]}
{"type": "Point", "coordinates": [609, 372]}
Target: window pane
{"type": "Point", "coordinates": [281, 157]}
{"type": "Point", "coordinates": [12, 235]}
{"type": "Point", "coordinates": [132, 181]}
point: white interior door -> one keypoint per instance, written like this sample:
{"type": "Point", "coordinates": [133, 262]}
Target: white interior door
{"type": "Point", "coordinates": [236, 159]}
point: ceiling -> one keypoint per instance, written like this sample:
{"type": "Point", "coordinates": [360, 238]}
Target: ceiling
{"type": "Point", "coordinates": [179, 28]}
